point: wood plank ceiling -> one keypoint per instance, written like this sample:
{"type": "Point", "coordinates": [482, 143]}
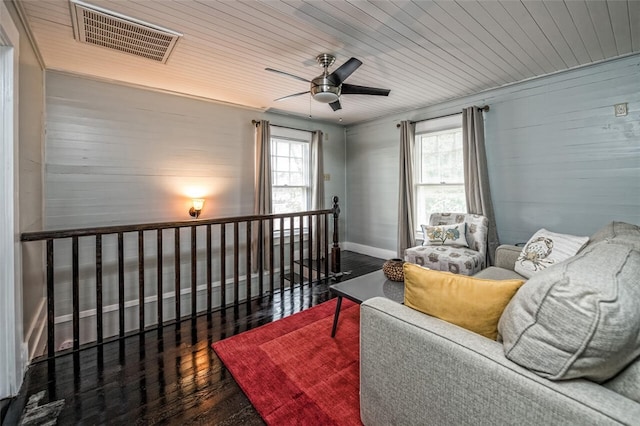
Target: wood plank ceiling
{"type": "Point", "coordinates": [426, 52]}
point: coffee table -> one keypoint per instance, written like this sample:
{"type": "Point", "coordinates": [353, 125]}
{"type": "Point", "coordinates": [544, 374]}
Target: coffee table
{"type": "Point", "coordinates": [363, 288]}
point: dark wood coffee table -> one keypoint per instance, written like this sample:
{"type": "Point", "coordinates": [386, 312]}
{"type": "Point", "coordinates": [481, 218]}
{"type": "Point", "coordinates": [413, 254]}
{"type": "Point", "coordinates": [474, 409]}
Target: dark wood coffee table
{"type": "Point", "coordinates": [363, 288]}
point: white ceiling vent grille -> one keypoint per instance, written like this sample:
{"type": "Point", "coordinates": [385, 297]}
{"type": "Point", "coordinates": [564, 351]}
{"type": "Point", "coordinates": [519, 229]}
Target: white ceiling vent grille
{"type": "Point", "coordinates": [95, 25]}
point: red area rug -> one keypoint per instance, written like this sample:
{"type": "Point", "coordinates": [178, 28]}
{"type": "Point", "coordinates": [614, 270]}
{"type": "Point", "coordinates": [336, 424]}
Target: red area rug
{"type": "Point", "coordinates": [294, 373]}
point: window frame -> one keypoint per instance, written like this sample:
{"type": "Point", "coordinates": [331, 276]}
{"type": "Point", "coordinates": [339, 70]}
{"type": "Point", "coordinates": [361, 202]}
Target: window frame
{"type": "Point", "coordinates": [432, 128]}
{"type": "Point", "coordinates": [291, 136]}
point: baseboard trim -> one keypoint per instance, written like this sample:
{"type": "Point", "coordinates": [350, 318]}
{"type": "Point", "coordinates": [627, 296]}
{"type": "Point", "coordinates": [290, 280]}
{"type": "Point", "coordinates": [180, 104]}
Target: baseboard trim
{"type": "Point", "coordinates": [184, 292]}
{"type": "Point", "coordinates": [368, 250]}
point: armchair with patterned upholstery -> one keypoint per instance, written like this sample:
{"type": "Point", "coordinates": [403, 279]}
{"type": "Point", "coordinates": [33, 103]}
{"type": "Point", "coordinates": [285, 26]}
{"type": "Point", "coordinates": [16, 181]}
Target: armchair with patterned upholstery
{"type": "Point", "coordinates": [442, 251]}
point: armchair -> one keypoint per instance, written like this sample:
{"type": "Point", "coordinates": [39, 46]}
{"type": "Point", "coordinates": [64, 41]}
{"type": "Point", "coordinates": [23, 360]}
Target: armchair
{"type": "Point", "coordinates": [458, 259]}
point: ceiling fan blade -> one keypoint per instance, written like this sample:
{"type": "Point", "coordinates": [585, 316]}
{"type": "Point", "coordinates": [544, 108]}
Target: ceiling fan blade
{"type": "Point", "coordinates": [350, 89]}
{"type": "Point", "coordinates": [290, 96]}
{"type": "Point", "coordinates": [335, 105]}
{"type": "Point", "coordinates": [287, 74]}
{"type": "Point", "coordinates": [345, 70]}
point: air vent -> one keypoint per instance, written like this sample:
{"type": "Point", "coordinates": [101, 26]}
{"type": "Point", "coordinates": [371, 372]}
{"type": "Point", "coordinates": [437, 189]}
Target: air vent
{"type": "Point", "coordinates": [101, 27]}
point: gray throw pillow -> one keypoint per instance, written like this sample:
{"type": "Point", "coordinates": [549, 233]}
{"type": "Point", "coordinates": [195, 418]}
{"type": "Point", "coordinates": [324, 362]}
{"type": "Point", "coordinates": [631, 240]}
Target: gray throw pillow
{"type": "Point", "coordinates": [618, 233]}
{"type": "Point", "coordinates": [579, 318]}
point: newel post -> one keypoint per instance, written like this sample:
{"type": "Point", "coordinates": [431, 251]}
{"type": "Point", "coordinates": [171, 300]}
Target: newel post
{"type": "Point", "coordinates": [335, 250]}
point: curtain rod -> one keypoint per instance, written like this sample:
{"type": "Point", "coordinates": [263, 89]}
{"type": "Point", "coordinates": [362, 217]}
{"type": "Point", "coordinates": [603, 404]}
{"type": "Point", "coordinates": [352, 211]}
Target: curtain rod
{"type": "Point", "coordinates": [255, 122]}
{"type": "Point", "coordinates": [484, 108]}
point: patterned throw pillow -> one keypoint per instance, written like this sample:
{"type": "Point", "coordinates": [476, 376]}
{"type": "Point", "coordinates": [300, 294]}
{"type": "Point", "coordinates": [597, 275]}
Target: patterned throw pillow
{"type": "Point", "coordinates": [547, 248]}
{"type": "Point", "coordinates": [445, 235]}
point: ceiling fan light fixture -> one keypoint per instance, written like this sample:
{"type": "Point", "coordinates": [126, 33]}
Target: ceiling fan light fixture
{"type": "Point", "coordinates": [325, 97]}
{"type": "Point", "coordinates": [323, 90]}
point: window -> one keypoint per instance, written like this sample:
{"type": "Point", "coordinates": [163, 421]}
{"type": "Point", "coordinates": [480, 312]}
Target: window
{"type": "Point", "coordinates": [290, 168]}
{"type": "Point", "coordinates": [439, 171]}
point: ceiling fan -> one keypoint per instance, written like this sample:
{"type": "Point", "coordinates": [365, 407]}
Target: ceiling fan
{"type": "Point", "coordinates": [328, 87]}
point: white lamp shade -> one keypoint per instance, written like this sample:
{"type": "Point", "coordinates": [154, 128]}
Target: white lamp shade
{"type": "Point", "coordinates": [198, 203]}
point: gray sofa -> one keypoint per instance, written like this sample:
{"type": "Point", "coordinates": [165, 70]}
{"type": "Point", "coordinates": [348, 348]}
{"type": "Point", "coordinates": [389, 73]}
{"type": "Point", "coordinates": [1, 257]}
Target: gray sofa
{"type": "Point", "coordinates": [419, 370]}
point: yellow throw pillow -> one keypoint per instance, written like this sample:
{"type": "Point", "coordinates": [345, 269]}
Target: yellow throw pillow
{"type": "Point", "coordinates": [473, 303]}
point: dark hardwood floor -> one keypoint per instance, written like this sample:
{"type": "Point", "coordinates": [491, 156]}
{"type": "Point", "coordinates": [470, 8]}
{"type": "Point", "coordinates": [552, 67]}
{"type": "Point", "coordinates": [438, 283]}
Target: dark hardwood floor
{"type": "Point", "coordinates": [168, 377]}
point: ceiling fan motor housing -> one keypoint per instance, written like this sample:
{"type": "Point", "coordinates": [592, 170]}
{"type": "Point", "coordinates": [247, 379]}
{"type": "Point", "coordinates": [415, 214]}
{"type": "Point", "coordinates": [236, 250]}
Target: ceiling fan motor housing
{"type": "Point", "coordinates": [324, 90]}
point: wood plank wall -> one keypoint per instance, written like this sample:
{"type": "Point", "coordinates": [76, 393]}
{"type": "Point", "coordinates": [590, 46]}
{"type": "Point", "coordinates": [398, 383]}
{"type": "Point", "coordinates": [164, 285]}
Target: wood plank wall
{"type": "Point", "coordinates": [116, 154]}
{"type": "Point", "coordinates": [558, 157]}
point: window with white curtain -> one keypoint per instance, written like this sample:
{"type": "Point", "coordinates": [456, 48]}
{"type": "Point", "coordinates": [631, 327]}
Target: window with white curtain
{"type": "Point", "coordinates": [291, 171]}
{"type": "Point", "coordinates": [439, 168]}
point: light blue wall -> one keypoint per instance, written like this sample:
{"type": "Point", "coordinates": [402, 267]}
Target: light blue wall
{"type": "Point", "coordinates": [558, 157]}
{"type": "Point", "coordinates": [117, 154]}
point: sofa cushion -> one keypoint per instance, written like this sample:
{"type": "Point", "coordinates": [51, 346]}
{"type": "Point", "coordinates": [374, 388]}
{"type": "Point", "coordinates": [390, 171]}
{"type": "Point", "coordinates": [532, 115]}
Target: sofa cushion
{"type": "Point", "coordinates": [627, 382]}
{"type": "Point", "coordinates": [450, 235]}
{"type": "Point", "coordinates": [506, 256]}
{"type": "Point", "coordinates": [579, 318]}
{"type": "Point", "coordinates": [473, 303]}
{"type": "Point", "coordinates": [618, 233]}
{"type": "Point", "coordinates": [496, 273]}
{"type": "Point", "coordinates": [547, 248]}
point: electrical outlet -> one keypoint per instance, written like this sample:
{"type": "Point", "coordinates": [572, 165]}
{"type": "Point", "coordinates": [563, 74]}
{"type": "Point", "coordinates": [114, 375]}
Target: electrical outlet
{"type": "Point", "coordinates": [620, 109]}
{"type": "Point", "coordinates": [327, 176]}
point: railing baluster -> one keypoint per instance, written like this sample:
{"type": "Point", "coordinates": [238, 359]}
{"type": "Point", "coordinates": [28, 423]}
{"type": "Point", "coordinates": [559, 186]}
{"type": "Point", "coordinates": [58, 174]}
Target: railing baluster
{"type": "Point", "coordinates": [318, 250]}
{"type": "Point", "coordinates": [99, 324]}
{"type": "Point", "coordinates": [141, 280]}
{"type": "Point", "coordinates": [51, 319]}
{"type": "Point", "coordinates": [301, 249]}
{"type": "Point", "coordinates": [193, 273]}
{"type": "Point", "coordinates": [121, 284]}
{"type": "Point", "coordinates": [177, 275]}
{"type": "Point", "coordinates": [209, 270]}
{"type": "Point", "coordinates": [282, 254]}
{"type": "Point", "coordinates": [335, 249]}
{"type": "Point", "coordinates": [326, 246]}
{"type": "Point", "coordinates": [271, 256]}
{"type": "Point", "coordinates": [260, 258]}
{"type": "Point", "coordinates": [291, 252]}
{"type": "Point", "coordinates": [159, 291]}
{"type": "Point", "coordinates": [236, 268]}
{"type": "Point", "coordinates": [248, 262]}
{"type": "Point", "coordinates": [310, 248]}
{"type": "Point", "coordinates": [76, 293]}
{"type": "Point", "coordinates": [223, 267]}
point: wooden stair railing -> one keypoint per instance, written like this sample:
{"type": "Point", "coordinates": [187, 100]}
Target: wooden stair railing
{"type": "Point", "coordinates": [260, 231]}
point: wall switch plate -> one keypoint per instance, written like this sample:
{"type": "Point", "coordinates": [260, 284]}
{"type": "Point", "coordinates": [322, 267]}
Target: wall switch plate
{"type": "Point", "coordinates": [327, 176]}
{"type": "Point", "coordinates": [620, 109]}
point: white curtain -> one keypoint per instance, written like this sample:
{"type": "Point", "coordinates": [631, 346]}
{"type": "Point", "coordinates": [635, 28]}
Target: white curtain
{"type": "Point", "coordinates": [476, 175]}
{"type": "Point", "coordinates": [406, 228]}
{"type": "Point", "coordinates": [317, 185]}
{"type": "Point", "coordinates": [262, 201]}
